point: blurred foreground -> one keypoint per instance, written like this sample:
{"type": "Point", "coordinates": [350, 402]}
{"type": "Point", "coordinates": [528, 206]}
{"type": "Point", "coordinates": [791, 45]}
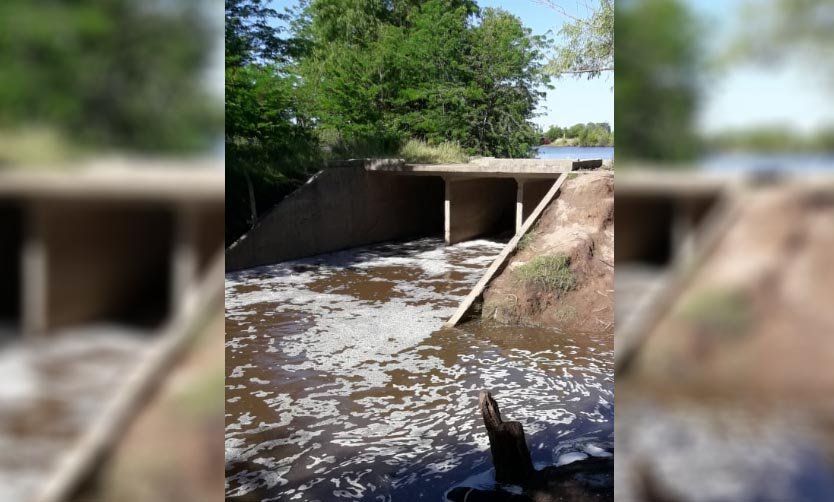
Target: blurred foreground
{"type": "Point", "coordinates": [724, 336]}
{"type": "Point", "coordinates": [111, 270]}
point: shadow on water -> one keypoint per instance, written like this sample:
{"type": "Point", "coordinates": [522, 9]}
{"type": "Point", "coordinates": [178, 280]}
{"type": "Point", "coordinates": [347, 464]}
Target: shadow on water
{"type": "Point", "coordinates": [338, 388]}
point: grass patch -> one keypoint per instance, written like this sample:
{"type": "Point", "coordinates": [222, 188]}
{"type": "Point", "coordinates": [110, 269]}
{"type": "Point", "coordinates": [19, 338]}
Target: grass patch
{"type": "Point", "coordinates": [525, 241]}
{"type": "Point", "coordinates": [550, 272]}
{"type": "Point", "coordinates": [720, 310]}
{"type": "Point", "coordinates": [420, 152]}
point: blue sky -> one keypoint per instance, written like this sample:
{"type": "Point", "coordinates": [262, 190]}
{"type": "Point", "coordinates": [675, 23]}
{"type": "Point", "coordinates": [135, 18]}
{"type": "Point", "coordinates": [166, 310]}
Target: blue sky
{"type": "Point", "coordinates": [790, 93]}
{"type": "Point", "coordinates": [571, 101]}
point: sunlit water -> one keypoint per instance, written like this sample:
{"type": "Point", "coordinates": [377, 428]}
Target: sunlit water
{"type": "Point", "coordinates": [341, 384]}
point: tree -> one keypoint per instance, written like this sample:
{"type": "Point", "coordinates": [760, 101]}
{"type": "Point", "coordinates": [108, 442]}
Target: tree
{"type": "Point", "coordinates": [268, 147]}
{"type": "Point", "coordinates": [587, 48]}
{"type": "Point", "coordinates": [115, 75]}
{"type": "Point", "coordinates": [436, 70]}
{"type": "Point", "coordinates": [658, 80]}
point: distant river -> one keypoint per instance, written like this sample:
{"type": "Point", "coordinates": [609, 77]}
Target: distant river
{"type": "Point", "coordinates": [575, 152]}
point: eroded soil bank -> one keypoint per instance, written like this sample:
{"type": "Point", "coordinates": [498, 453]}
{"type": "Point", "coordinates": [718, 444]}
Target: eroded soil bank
{"type": "Point", "coordinates": [578, 229]}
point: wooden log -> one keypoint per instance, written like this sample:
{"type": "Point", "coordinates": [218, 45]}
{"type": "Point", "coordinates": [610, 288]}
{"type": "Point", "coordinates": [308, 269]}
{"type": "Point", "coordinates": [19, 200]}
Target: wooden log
{"type": "Point", "coordinates": [510, 455]}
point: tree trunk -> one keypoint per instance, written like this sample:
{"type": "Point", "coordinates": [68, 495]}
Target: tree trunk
{"type": "Point", "coordinates": [513, 464]}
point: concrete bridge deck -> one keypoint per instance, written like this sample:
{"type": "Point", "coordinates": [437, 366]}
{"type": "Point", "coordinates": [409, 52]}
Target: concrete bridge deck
{"type": "Point", "coordinates": [488, 167]}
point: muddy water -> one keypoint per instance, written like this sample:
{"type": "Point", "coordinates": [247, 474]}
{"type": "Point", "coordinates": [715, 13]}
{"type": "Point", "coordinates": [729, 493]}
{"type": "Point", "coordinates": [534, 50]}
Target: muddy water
{"type": "Point", "coordinates": [340, 383]}
{"type": "Point", "coordinates": [50, 394]}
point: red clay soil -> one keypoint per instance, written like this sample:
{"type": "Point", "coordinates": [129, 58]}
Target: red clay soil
{"type": "Point", "coordinates": [579, 223]}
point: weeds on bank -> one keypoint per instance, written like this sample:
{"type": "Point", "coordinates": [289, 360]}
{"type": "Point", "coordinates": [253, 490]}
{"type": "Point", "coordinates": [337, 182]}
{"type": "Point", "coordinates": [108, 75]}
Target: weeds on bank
{"type": "Point", "coordinates": [525, 241]}
{"type": "Point", "coordinates": [718, 310]}
{"type": "Point", "coordinates": [550, 272]}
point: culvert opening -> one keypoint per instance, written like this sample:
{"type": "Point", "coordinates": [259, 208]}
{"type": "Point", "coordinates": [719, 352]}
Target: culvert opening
{"type": "Point", "coordinates": [480, 207]}
{"type": "Point", "coordinates": [108, 263]}
{"type": "Point", "coordinates": [650, 228]}
{"type": "Point", "coordinates": [11, 245]}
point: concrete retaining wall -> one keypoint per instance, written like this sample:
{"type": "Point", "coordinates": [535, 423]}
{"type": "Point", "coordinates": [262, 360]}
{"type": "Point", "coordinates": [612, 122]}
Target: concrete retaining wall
{"type": "Point", "coordinates": [339, 208]}
{"type": "Point", "coordinates": [479, 206]}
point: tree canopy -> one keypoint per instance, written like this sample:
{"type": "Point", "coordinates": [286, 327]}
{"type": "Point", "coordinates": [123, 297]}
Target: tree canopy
{"type": "Point", "coordinates": [659, 66]}
{"type": "Point", "coordinates": [115, 75]}
{"type": "Point", "coordinates": [362, 78]}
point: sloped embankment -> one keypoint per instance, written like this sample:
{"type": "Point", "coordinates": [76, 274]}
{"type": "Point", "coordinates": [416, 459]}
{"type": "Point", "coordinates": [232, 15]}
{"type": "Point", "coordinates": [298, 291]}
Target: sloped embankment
{"type": "Point", "coordinates": [563, 273]}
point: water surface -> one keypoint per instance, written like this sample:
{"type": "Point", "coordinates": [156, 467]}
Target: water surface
{"type": "Point", "coordinates": [341, 384]}
{"type": "Point", "coordinates": [575, 152]}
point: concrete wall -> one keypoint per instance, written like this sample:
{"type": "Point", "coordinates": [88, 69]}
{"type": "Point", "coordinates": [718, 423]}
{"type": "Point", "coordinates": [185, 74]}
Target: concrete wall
{"type": "Point", "coordinates": [479, 206]}
{"type": "Point", "coordinates": [104, 262]}
{"type": "Point", "coordinates": [339, 208]}
{"type": "Point", "coordinates": [533, 192]}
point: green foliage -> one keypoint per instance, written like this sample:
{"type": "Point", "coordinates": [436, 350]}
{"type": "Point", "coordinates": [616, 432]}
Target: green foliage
{"type": "Point", "coordinates": [436, 71]}
{"type": "Point", "coordinates": [658, 80]}
{"type": "Point", "coordinates": [718, 310]}
{"type": "Point", "coordinates": [552, 273]}
{"type": "Point", "coordinates": [420, 152]}
{"type": "Point", "coordinates": [118, 74]}
{"type": "Point", "coordinates": [526, 240]}
{"type": "Point", "coordinates": [774, 138]}
{"type": "Point", "coordinates": [269, 147]}
{"type": "Point", "coordinates": [363, 78]}
{"type": "Point", "coordinates": [588, 44]}
{"type": "Point", "coordinates": [590, 134]}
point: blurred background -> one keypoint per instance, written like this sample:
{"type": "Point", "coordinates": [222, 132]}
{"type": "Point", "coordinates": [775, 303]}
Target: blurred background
{"type": "Point", "coordinates": [111, 213]}
{"type": "Point", "coordinates": [725, 202]}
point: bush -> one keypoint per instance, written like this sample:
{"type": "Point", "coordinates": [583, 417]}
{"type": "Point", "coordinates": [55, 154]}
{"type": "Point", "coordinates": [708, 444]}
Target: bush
{"type": "Point", "coordinates": [420, 152]}
{"type": "Point", "coordinates": [550, 272]}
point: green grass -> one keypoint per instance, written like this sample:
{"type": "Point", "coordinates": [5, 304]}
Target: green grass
{"type": "Point", "coordinates": [420, 152]}
{"type": "Point", "coordinates": [553, 273]}
{"type": "Point", "coordinates": [722, 310]}
{"type": "Point", "coordinates": [526, 240]}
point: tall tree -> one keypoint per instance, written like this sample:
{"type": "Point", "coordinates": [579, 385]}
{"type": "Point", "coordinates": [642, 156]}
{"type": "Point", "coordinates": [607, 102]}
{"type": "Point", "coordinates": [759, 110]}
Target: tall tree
{"type": "Point", "coordinates": [658, 80]}
{"type": "Point", "coordinates": [268, 147]}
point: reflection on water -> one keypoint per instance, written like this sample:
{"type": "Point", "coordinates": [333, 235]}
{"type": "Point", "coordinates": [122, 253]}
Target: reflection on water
{"type": "Point", "coordinates": [52, 392]}
{"type": "Point", "coordinates": [574, 152]}
{"type": "Point", "coordinates": [340, 383]}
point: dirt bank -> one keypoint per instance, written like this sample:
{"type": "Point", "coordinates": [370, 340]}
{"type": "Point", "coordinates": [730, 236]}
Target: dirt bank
{"type": "Point", "coordinates": [563, 274]}
{"type": "Point", "coordinates": [756, 317]}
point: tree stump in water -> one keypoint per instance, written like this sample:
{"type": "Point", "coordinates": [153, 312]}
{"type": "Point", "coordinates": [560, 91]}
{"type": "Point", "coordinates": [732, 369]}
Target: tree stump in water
{"type": "Point", "coordinates": [513, 464]}
{"type": "Point", "coordinates": [584, 480]}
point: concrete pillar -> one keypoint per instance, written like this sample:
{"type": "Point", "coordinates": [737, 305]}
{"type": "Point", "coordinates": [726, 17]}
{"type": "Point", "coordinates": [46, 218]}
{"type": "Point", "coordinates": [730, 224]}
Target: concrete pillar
{"type": "Point", "coordinates": [34, 284]}
{"type": "Point", "coordinates": [519, 204]}
{"type": "Point", "coordinates": [528, 195]}
{"type": "Point", "coordinates": [185, 258]}
{"type": "Point", "coordinates": [478, 206]}
{"type": "Point", "coordinates": [683, 230]}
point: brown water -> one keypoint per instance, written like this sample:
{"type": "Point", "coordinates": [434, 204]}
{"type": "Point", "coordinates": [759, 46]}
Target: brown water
{"type": "Point", "coordinates": [50, 394]}
{"type": "Point", "coordinates": [341, 384]}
